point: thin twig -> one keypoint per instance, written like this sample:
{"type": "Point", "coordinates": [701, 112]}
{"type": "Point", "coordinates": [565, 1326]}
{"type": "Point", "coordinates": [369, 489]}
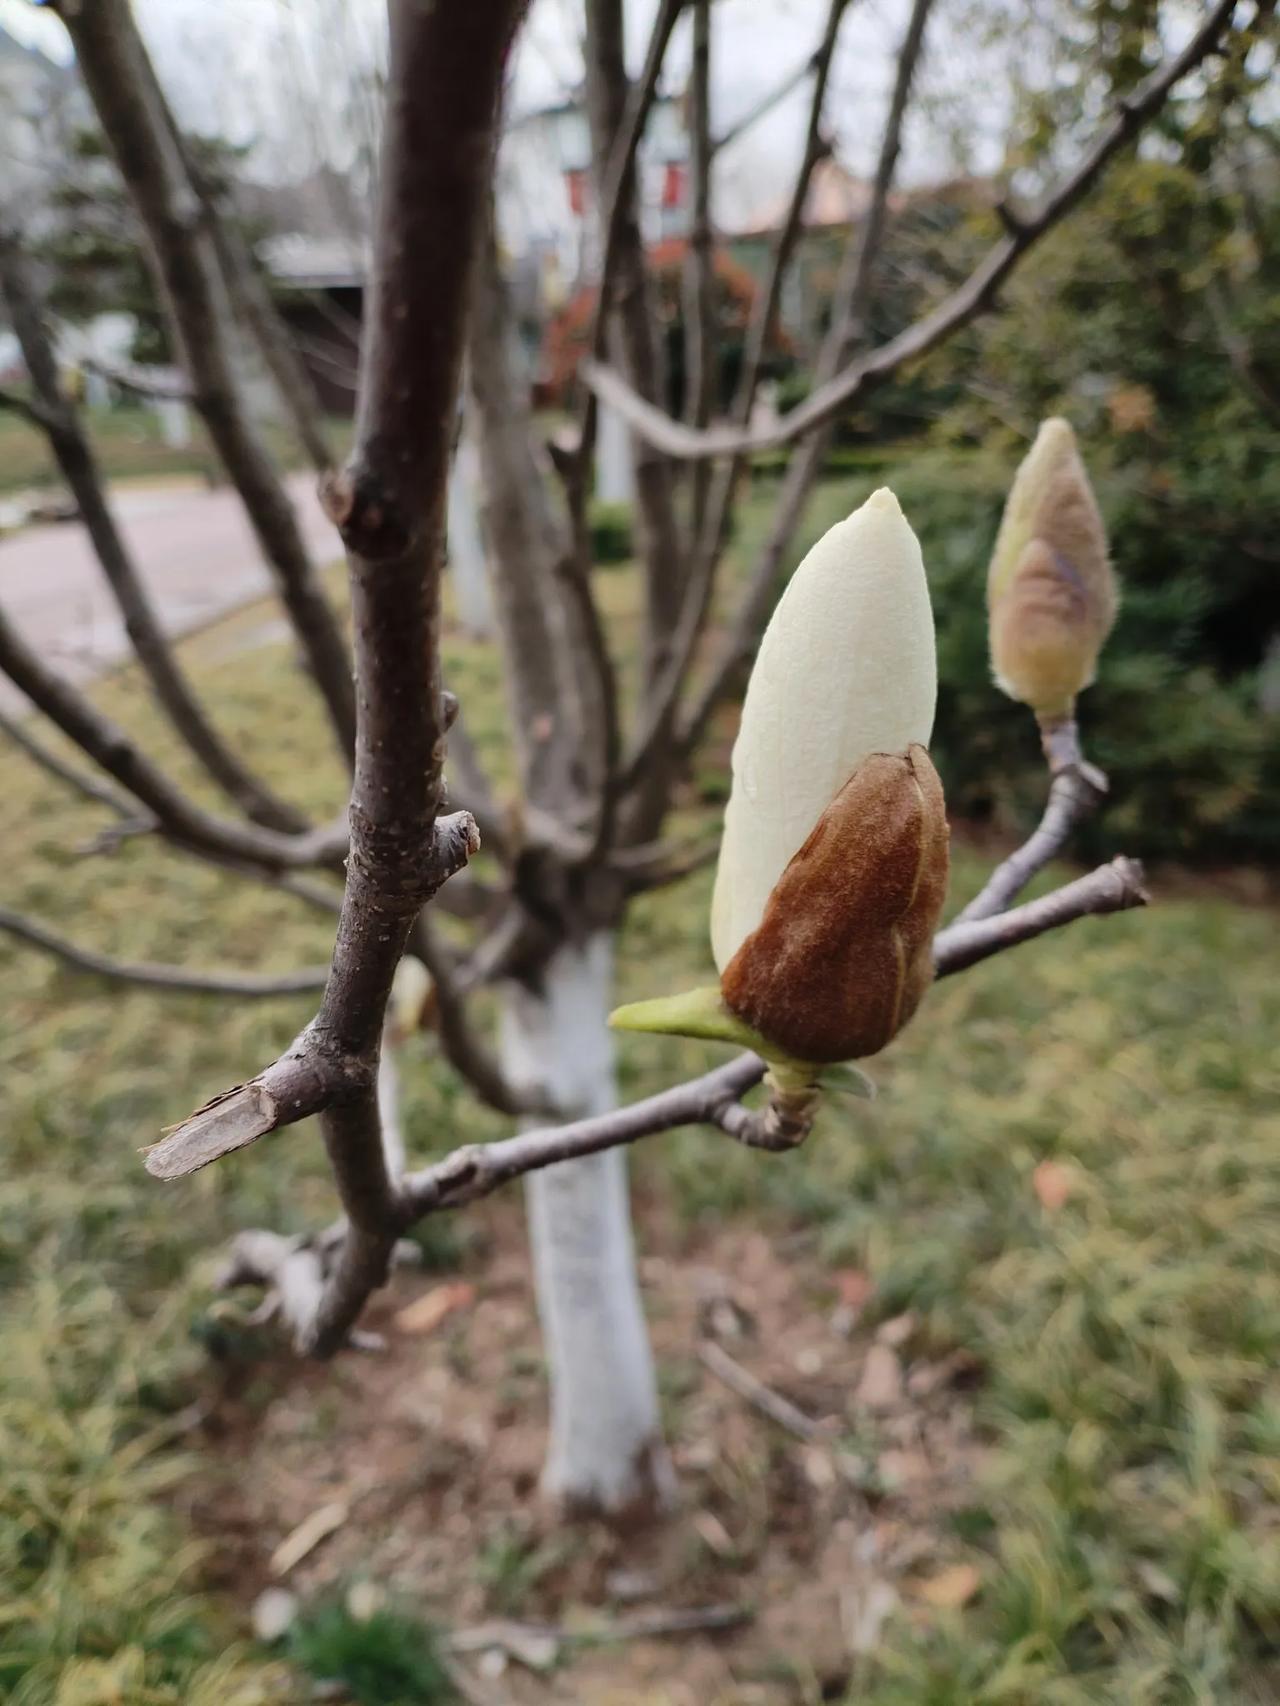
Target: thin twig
{"type": "Point", "coordinates": [761, 1397]}
{"type": "Point", "coordinates": [977, 293]}
{"type": "Point", "coordinates": [175, 978]}
{"type": "Point", "coordinates": [388, 503]}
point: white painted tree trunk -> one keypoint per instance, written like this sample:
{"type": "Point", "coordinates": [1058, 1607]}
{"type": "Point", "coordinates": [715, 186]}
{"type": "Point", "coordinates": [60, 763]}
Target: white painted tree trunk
{"type": "Point", "coordinates": [606, 1451]}
{"type": "Point", "coordinates": [615, 458]}
{"type": "Point", "coordinates": [467, 566]}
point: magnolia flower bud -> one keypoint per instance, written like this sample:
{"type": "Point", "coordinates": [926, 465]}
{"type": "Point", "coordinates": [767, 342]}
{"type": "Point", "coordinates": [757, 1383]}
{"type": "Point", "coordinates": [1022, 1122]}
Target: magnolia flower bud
{"type": "Point", "coordinates": [1051, 594]}
{"type": "Point", "coordinates": [833, 862]}
{"type": "Point", "coordinates": [843, 954]}
{"type": "Point", "coordinates": [846, 668]}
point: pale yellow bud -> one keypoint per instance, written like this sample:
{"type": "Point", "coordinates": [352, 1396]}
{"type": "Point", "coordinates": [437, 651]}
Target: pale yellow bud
{"type": "Point", "coordinates": [1051, 593]}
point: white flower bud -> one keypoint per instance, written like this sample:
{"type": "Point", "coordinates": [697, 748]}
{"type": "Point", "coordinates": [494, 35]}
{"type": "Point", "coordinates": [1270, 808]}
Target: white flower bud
{"type": "Point", "coordinates": [847, 668]}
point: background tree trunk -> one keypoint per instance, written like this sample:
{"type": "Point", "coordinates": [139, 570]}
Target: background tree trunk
{"type": "Point", "coordinates": [605, 1452]}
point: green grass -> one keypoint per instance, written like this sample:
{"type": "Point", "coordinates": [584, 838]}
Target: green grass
{"type": "Point", "coordinates": [129, 446]}
{"type": "Point", "coordinates": [1125, 1524]}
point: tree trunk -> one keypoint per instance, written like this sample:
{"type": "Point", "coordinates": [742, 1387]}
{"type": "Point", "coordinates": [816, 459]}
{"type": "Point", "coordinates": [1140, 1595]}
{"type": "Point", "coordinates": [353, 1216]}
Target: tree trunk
{"type": "Point", "coordinates": [605, 1454]}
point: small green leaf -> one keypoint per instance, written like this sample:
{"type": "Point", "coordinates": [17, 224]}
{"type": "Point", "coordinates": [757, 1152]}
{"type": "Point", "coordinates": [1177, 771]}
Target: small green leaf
{"type": "Point", "coordinates": [695, 1013]}
{"type": "Point", "coordinates": [846, 1079]}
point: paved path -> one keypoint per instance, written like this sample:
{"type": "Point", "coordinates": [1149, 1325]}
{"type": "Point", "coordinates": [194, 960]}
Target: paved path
{"type": "Point", "coordinates": [194, 549]}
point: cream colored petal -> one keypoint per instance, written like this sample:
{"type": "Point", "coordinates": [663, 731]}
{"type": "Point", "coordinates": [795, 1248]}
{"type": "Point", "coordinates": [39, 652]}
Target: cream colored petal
{"type": "Point", "coordinates": [847, 667]}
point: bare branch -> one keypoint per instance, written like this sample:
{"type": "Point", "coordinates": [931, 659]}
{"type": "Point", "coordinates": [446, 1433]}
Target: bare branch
{"type": "Point", "coordinates": [763, 1398]}
{"type": "Point", "coordinates": [463, 1048]}
{"type": "Point", "coordinates": [82, 781]}
{"type": "Point", "coordinates": [976, 294]}
{"type": "Point", "coordinates": [180, 818]}
{"type": "Point", "coordinates": [389, 503]}
{"type": "Point", "coordinates": [660, 703]}
{"type": "Point", "coordinates": [142, 136]}
{"type": "Point", "coordinates": [765, 105]}
{"type": "Point", "coordinates": [176, 978]}
{"type": "Point", "coordinates": [75, 457]}
{"type": "Point", "coordinates": [852, 293]}
{"type": "Point", "coordinates": [476, 1170]}
{"type": "Point", "coordinates": [699, 268]}
{"type": "Point", "coordinates": [626, 313]}
{"type": "Point", "coordinates": [1076, 792]}
{"type": "Point", "coordinates": [30, 410]}
{"type": "Point", "coordinates": [138, 380]}
{"type": "Point", "coordinates": [1112, 888]}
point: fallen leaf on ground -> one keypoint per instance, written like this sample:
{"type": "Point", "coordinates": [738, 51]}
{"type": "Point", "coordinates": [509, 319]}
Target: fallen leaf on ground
{"type": "Point", "coordinates": [854, 1287]}
{"type": "Point", "coordinates": [427, 1312]}
{"type": "Point", "coordinates": [898, 1330]}
{"type": "Point", "coordinates": [881, 1384]}
{"type": "Point", "coordinates": [950, 1588]}
{"type": "Point", "coordinates": [308, 1535]}
{"type": "Point", "coordinates": [1053, 1184]}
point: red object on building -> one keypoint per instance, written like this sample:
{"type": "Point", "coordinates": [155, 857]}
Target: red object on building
{"type": "Point", "coordinates": [673, 184]}
{"type": "Point", "coordinates": [576, 183]}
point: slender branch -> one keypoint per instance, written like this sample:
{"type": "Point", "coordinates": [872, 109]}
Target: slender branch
{"type": "Point", "coordinates": [1076, 792]}
{"type": "Point", "coordinates": [763, 1398]}
{"type": "Point", "coordinates": [291, 1089]}
{"type": "Point", "coordinates": [110, 746]}
{"type": "Point", "coordinates": [176, 978]}
{"type": "Point", "coordinates": [74, 455]}
{"type": "Point", "coordinates": [474, 1171]}
{"type": "Point", "coordinates": [1112, 888]}
{"type": "Point", "coordinates": [81, 780]}
{"type": "Point", "coordinates": [389, 503]}
{"type": "Point", "coordinates": [627, 317]}
{"type": "Point", "coordinates": [141, 133]}
{"type": "Point", "coordinates": [977, 293]}
{"type": "Point", "coordinates": [465, 1051]}
{"type": "Point", "coordinates": [699, 269]}
{"type": "Point", "coordinates": [30, 410]}
{"type": "Point", "coordinates": [138, 381]}
{"type": "Point", "coordinates": [765, 105]}
{"type": "Point", "coordinates": [660, 703]}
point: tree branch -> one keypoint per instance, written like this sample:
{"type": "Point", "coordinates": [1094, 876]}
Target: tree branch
{"type": "Point", "coordinates": [1075, 793]}
{"type": "Point", "coordinates": [765, 105]}
{"type": "Point", "coordinates": [74, 455]}
{"type": "Point", "coordinates": [389, 503]}
{"type": "Point", "coordinates": [159, 976]}
{"type": "Point", "coordinates": [1111, 888]}
{"type": "Point", "coordinates": [853, 289]}
{"type": "Point", "coordinates": [289, 1090]}
{"type": "Point", "coordinates": [660, 703]}
{"type": "Point", "coordinates": [141, 133]}
{"type": "Point", "coordinates": [80, 780]}
{"type": "Point", "coordinates": [138, 381]}
{"type": "Point", "coordinates": [27, 407]}
{"type": "Point", "coordinates": [976, 294]}
{"type": "Point", "coordinates": [179, 818]}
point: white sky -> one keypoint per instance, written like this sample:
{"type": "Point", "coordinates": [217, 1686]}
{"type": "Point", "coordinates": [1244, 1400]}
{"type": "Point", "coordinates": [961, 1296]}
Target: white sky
{"type": "Point", "coordinates": [228, 68]}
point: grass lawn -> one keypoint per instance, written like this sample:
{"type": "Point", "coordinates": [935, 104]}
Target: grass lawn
{"type": "Point", "coordinates": [1121, 1306]}
{"type": "Point", "coordinates": [128, 443]}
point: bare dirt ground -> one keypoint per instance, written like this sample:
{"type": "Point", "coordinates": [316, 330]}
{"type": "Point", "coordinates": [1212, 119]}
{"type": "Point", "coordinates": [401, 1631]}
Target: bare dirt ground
{"type": "Point", "coordinates": [432, 1449]}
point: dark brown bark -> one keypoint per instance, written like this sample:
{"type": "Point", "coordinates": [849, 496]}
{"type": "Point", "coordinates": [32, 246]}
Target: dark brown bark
{"type": "Point", "coordinates": [179, 818]}
{"type": "Point", "coordinates": [74, 455]}
{"type": "Point", "coordinates": [140, 132]}
{"type": "Point", "coordinates": [389, 503]}
{"type": "Point", "coordinates": [627, 298]}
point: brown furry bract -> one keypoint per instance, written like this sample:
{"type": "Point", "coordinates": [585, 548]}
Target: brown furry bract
{"type": "Point", "coordinates": [843, 954]}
